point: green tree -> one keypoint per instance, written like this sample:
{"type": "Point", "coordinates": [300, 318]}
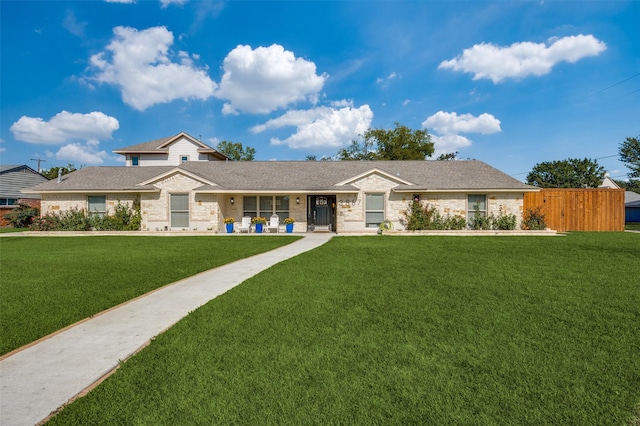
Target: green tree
{"type": "Point", "coordinates": [236, 151]}
{"type": "Point", "coordinates": [448, 156]}
{"type": "Point", "coordinates": [569, 173]}
{"type": "Point", "coordinates": [630, 185]}
{"type": "Point", "coordinates": [52, 173]}
{"type": "Point", "coordinates": [400, 143]}
{"type": "Point", "coordinates": [629, 152]}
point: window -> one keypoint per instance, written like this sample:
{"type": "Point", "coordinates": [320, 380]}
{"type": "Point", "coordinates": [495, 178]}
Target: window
{"type": "Point", "coordinates": [184, 158]}
{"type": "Point", "coordinates": [97, 205]}
{"type": "Point", "coordinates": [179, 210]}
{"type": "Point", "coordinates": [479, 201]}
{"type": "Point", "coordinates": [135, 160]}
{"type": "Point", "coordinates": [250, 205]}
{"type": "Point", "coordinates": [266, 206]}
{"type": "Point", "coordinates": [374, 210]}
{"type": "Point", "coordinates": [8, 201]}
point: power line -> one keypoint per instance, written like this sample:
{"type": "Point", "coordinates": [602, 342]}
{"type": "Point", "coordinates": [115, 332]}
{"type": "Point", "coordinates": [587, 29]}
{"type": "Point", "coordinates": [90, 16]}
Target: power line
{"type": "Point", "coordinates": [615, 84]}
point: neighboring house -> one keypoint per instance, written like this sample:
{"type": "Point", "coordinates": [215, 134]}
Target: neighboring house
{"type": "Point", "coordinates": [607, 182]}
{"type": "Point", "coordinates": [631, 206]}
{"type": "Point", "coordinates": [14, 178]}
{"type": "Point", "coordinates": [341, 196]}
{"type": "Point", "coordinates": [170, 151]}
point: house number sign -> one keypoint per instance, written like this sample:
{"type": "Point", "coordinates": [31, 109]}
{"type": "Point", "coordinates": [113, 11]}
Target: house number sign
{"type": "Point", "coordinates": [348, 203]}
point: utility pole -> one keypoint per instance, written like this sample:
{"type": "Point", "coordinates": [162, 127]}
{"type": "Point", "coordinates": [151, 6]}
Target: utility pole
{"type": "Point", "coordinates": [39, 161]}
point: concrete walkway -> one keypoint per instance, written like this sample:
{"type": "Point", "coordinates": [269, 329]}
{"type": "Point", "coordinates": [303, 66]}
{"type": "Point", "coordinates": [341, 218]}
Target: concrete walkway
{"type": "Point", "coordinates": [36, 381]}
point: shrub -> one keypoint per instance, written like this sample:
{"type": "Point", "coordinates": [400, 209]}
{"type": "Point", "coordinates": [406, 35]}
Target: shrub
{"type": "Point", "coordinates": [48, 222]}
{"type": "Point", "coordinates": [480, 221]}
{"type": "Point", "coordinates": [534, 219]}
{"type": "Point", "coordinates": [22, 216]}
{"type": "Point", "coordinates": [124, 218]}
{"type": "Point", "coordinates": [504, 222]}
{"type": "Point", "coordinates": [427, 217]}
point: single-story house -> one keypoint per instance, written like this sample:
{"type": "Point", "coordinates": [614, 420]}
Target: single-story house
{"type": "Point", "coordinates": [13, 179]}
{"type": "Point", "coordinates": [631, 206]}
{"type": "Point", "coordinates": [182, 184]}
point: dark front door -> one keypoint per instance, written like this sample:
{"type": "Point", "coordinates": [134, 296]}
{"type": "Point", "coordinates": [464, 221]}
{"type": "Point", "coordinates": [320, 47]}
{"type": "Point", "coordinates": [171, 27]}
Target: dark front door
{"type": "Point", "coordinates": [320, 214]}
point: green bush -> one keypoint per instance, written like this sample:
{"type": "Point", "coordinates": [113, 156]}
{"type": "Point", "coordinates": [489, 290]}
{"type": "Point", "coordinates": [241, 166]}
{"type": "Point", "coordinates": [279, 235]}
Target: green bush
{"type": "Point", "coordinates": [124, 218]}
{"type": "Point", "coordinates": [504, 222]}
{"type": "Point", "coordinates": [479, 220]}
{"type": "Point", "coordinates": [534, 219]}
{"type": "Point", "coordinates": [22, 216]}
{"type": "Point", "coordinates": [427, 217]}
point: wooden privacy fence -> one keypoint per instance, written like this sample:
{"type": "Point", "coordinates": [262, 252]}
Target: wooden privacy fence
{"type": "Point", "coordinates": [577, 209]}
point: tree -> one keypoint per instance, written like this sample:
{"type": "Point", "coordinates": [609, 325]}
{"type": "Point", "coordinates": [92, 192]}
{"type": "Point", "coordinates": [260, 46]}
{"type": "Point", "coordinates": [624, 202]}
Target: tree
{"type": "Point", "coordinates": [315, 158]}
{"type": "Point", "coordinates": [630, 155]}
{"type": "Point", "coordinates": [569, 173]}
{"type": "Point", "coordinates": [52, 173]}
{"type": "Point", "coordinates": [236, 151]}
{"type": "Point", "coordinates": [400, 143]}
{"type": "Point", "coordinates": [630, 185]}
{"type": "Point", "coordinates": [448, 157]}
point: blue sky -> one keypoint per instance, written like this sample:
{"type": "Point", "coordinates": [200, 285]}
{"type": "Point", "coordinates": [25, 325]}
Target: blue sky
{"type": "Point", "coordinates": [509, 83]}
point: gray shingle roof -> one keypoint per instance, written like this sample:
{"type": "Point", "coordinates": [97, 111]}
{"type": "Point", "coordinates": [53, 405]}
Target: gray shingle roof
{"type": "Point", "coordinates": [246, 176]}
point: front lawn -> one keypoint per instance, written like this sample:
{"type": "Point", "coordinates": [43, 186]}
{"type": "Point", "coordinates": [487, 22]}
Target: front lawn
{"type": "Point", "coordinates": [401, 330]}
{"type": "Point", "coordinates": [51, 282]}
{"type": "Point", "coordinates": [632, 226]}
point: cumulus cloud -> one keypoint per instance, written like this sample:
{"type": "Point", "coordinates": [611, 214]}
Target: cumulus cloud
{"type": "Point", "coordinates": [321, 127]}
{"type": "Point", "coordinates": [449, 125]}
{"type": "Point", "coordinates": [140, 64]}
{"type": "Point", "coordinates": [64, 127]}
{"type": "Point", "coordinates": [522, 59]}
{"type": "Point", "coordinates": [87, 153]}
{"type": "Point", "coordinates": [78, 133]}
{"type": "Point", "coordinates": [265, 79]}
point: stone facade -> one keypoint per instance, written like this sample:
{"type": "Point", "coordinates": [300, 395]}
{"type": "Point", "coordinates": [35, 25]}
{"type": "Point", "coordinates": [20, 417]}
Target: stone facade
{"type": "Point", "coordinates": [207, 210]}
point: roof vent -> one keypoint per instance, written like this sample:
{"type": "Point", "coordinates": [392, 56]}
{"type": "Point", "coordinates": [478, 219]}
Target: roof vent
{"type": "Point", "coordinates": [60, 175]}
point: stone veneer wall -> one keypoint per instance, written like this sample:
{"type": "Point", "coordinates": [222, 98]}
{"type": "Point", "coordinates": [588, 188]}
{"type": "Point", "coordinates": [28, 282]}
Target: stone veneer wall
{"type": "Point", "coordinates": [351, 207]}
{"type": "Point", "coordinates": [204, 213]}
{"type": "Point", "coordinates": [56, 203]}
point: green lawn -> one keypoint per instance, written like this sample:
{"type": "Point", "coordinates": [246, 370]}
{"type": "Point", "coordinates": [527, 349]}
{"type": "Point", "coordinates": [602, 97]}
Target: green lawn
{"type": "Point", "coordinates": [9, 230]}
{"type": "Point", "coordinates": [632, 226]}
{"type": "Point", "coordinates": [402, 330]}
{"type": "Point", "coordinates": [51, 282]}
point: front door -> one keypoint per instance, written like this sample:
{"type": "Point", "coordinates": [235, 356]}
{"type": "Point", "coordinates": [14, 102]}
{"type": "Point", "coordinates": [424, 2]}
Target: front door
{"type": "Point", "coordinates": [320, 214]}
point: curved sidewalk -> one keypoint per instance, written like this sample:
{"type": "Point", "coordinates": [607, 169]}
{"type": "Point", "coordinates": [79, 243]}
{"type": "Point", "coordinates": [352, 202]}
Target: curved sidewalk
{"type": "Point", "coordinates": [38, 380]}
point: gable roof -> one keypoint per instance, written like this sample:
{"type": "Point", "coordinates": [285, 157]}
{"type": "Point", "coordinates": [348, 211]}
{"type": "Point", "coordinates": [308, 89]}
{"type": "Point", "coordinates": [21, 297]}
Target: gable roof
{"type": "Point", "coordinates": [161, 146]}
{"type": "Point", "coordinates": [296, 176]}
{"type": "Point", "coordinates": [15, 177]}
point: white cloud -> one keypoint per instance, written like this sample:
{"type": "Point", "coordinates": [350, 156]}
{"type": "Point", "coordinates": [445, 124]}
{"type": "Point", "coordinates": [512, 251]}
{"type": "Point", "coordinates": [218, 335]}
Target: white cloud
{"type": "Point", "coordinates": [140, 64]}
{"type": "Point", "coordinates": [120, 1]}
{"type": "Point", "coordinates": [452, 123]}
{"type": "Point", "coordinates": [266, 79]}
{"type": "Point", "coordinates": [64, 127]}
{"type": "Point", "coordinates": [385, 81]}
{"type": "Point", "coordinates": [72, 24]}
{"type": "Point", "coordinates": [522, 59]}
{"type": "Point", "coordinates": [449, 125]}
{"type": "Point", "coordinates": [165, 3]}
{"type": "Point", "coordinates": [321, 127]}
{"type": "Point", "coordinates": [87, 153]}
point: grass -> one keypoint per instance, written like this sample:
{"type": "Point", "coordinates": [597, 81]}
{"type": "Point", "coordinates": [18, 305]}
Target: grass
{"type": "Point", "coordinates": [632, 226]}
{"type": "Point", "coordinates": [9, 229]}
{"type": "Point", "coordinates": [51, 282]}
{"type": "Point", "coordinates": [401, 330]}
